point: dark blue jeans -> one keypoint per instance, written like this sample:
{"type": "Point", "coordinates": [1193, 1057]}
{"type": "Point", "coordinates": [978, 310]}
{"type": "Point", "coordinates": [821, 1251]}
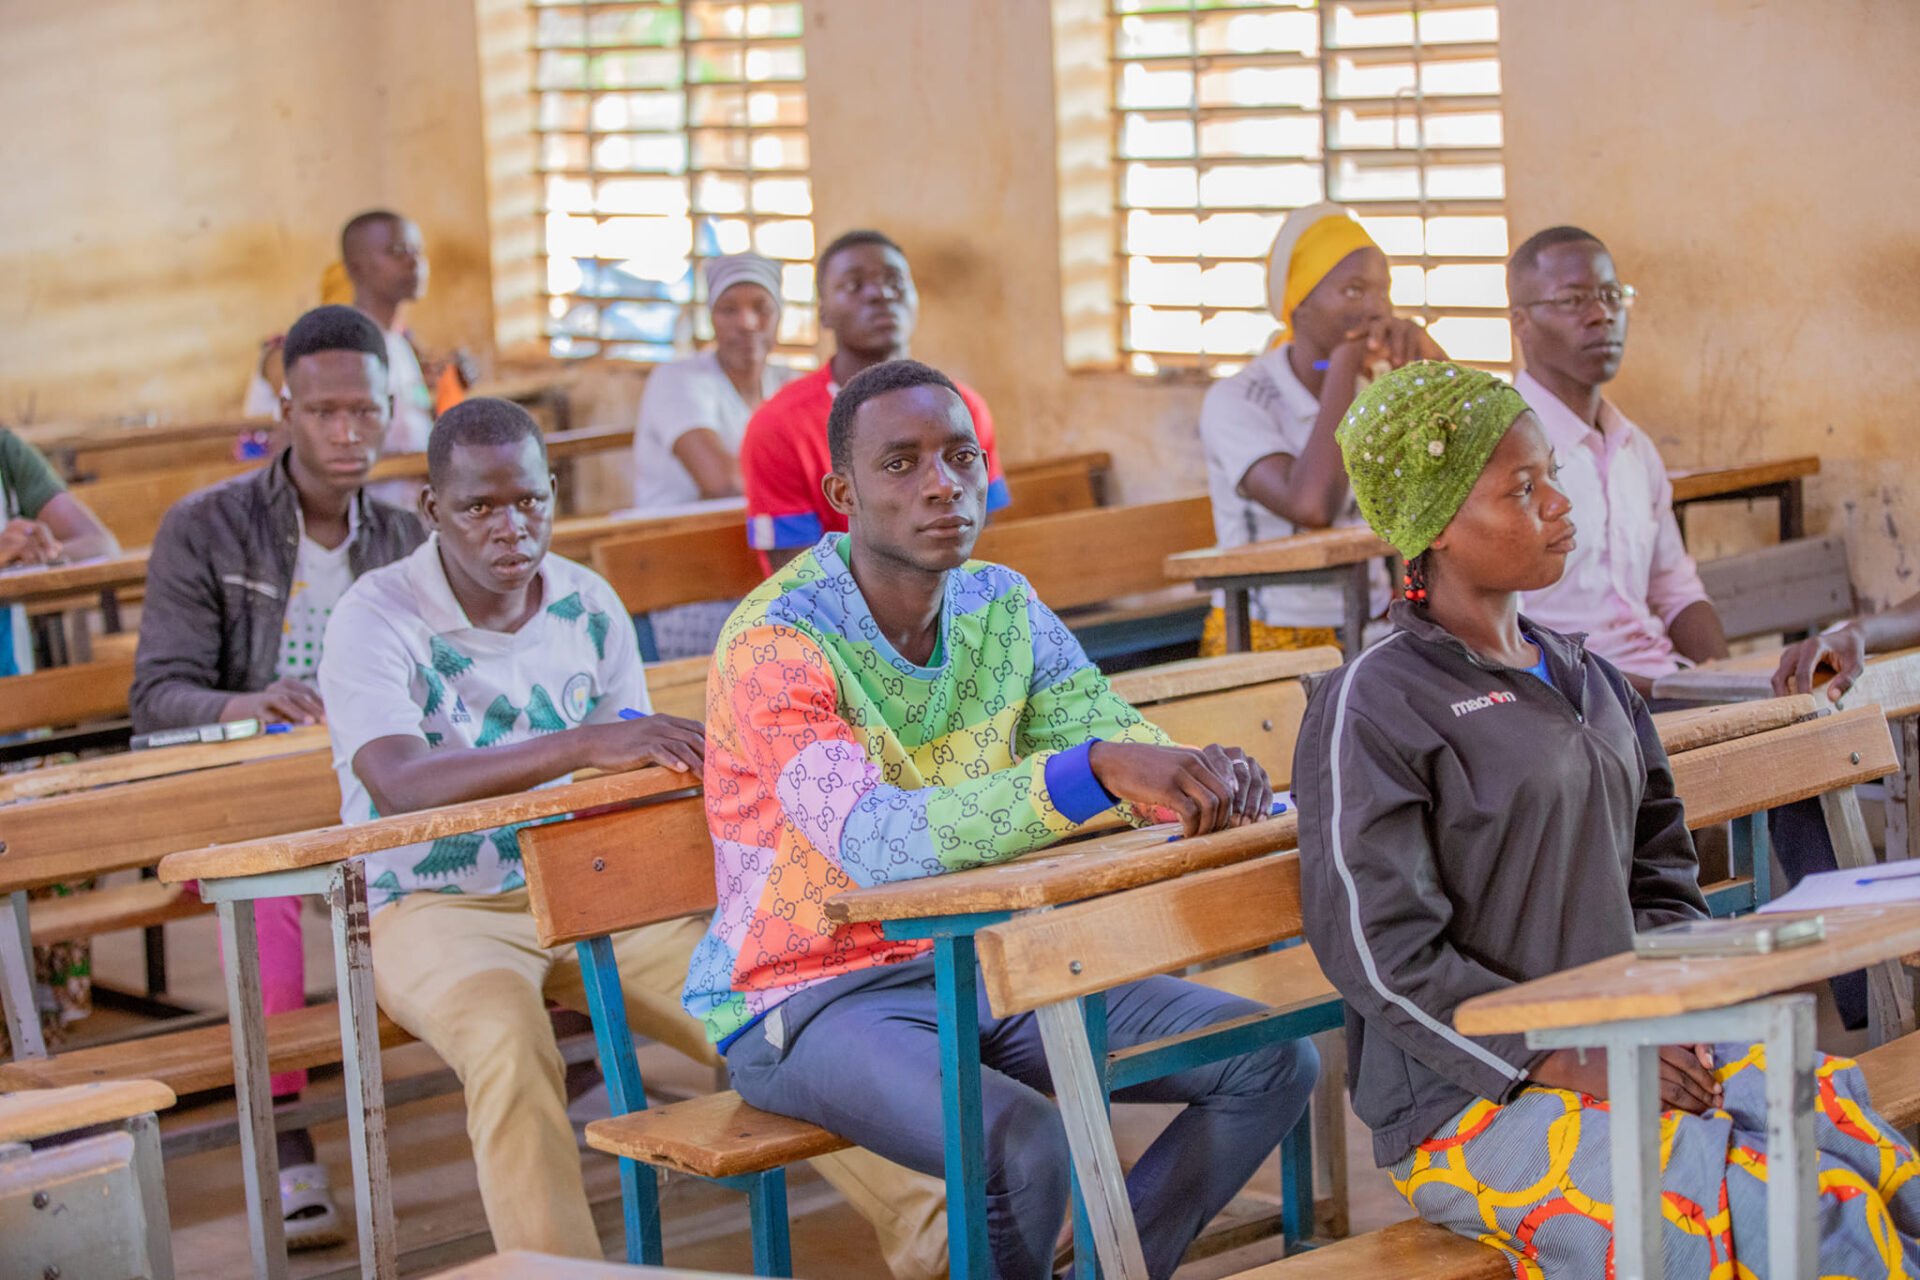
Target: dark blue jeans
{"type": "Point", "coordinates": [866, 1064]}
{"type": "Point", "coordinates": [1801, 843]}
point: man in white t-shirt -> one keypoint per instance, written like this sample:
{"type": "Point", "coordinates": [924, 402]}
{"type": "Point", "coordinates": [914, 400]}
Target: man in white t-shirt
{"type": "Point", "coordinates": [694, 411]}
{"type": "Point", "coordinates": [481, 666]}
{"type": "Point", "coordinates": [386, 259]}
{"type": "Point", "coordinates": [686, 448]}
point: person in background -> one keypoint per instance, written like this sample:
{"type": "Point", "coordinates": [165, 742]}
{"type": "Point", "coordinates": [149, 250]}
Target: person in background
{"type": "Point", "coordinates": [1843, 650]}
{"type": "Point", "coordinates": [1272, 467]}
{"type": "Point", "coordinates": [43, 524]}
{"type": "Point", "coordinates": [868, 301]}
{"type": "Point", "coordinates": [241, 582]}
{"type": "Point", "coordinates": [40, 524]}
{"type": "Point", "coordinates": [1484, 802]}
{"type": "Point", "coordinates": [693, 415]}
{"type": "Point", "coordinates": [1631, 586]}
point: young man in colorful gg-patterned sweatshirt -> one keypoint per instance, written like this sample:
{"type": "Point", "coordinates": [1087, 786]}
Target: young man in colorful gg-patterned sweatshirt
{"type": "Point", "coordinates": [883, 709]}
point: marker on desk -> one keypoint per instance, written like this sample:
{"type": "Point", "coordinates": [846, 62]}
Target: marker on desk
{"type": "Point", "coordinates": [229, 731]}
{"type": "Point", "coordinates": [1279, 807]}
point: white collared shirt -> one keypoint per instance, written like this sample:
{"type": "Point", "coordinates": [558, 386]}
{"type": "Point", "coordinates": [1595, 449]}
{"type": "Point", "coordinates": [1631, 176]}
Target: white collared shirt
{"type": "Point", "coordinates": [1262, 410]}
{"type": "Point", "coordinates": [402, 660]}
{"type": "Point", "coordinates": [1630, 576]}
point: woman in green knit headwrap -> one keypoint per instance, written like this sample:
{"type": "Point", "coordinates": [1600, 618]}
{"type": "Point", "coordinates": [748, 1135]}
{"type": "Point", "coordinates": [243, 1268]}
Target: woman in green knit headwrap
{"type": "Point", "coordinates": [1483, 802]}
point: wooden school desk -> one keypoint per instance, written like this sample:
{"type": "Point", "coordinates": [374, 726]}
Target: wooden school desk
{"type": "Point", "coordinates": [327, 862]}
{"type": "Point", "coordinates": [1630, 1007]}
{"type": "Point", "coordinates": [1343, 555]}
{"type": "Point", "coordinates": [1782, 479]}
{"type": "Point", "coordinates": [949, 909]}
{"type": "Point", "coordinates": [98, 580]}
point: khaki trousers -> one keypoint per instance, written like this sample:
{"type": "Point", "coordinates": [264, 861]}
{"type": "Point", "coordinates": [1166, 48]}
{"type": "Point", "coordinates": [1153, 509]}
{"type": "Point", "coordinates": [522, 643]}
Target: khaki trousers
{"type": "Point", "coordinates": [466, 975]}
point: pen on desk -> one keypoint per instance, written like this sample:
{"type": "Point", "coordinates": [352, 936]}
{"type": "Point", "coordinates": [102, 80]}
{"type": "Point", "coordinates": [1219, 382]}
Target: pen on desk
{"type": "Point", "coordinates": [628, 713]}
{"type": "Point", "coordinates": [1906, 873]}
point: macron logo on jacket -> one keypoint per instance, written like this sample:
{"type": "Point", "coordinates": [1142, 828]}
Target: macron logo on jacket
{"type": "Point", "coordinates": [1481, 704]}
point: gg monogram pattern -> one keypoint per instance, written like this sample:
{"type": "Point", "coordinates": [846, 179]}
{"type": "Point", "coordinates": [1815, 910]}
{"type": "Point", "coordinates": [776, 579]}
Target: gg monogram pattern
{"type": "Point", "coordinates": [1532, 1179]}
{"type": "Point", "coordinates": [833, 762]}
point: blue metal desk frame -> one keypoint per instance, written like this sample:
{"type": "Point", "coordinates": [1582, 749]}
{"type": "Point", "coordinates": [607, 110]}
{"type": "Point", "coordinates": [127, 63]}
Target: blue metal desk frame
{"type": "Point", "coordinates": [956, 988]}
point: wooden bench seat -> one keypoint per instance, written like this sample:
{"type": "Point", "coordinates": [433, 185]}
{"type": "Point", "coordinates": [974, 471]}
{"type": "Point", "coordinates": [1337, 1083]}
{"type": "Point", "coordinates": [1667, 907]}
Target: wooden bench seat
{"type": "Point", "coordinates": [196, 1060]}
{"type": "Point", "coordinates": [97, 911]}
{"type": "Point", "coordinates": [1283, 980]}
{"type": "Point", "coordinates": [717, 1136]}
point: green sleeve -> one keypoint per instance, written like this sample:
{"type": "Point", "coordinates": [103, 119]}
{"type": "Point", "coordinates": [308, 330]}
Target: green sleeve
{"type": "Point", "coordinates": [30, 480]}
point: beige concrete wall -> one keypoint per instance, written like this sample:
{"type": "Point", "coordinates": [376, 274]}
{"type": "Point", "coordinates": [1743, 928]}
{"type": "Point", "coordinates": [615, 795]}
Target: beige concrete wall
{"type": "Point", "coordinates": [183, 170]}
{"type": "Point", "coordinates": [177, 175]}
{"type": "Point", "coordinates": [1753, 166]}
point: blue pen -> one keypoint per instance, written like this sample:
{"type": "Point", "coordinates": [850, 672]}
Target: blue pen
{"type": "Point", "coordinates": [1906, 874]}
{"type": "Point", "coordinates": [1279, 807]}
{"type": "Point", "coordinates": [1323, 365]}
{"type": "Point", "coordinates": [628, 713]}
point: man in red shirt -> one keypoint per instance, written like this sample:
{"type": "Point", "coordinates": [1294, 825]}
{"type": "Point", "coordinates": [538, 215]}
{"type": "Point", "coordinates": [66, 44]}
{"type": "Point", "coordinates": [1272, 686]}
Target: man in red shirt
{"type": "Point", "coordinates": [868, 300]}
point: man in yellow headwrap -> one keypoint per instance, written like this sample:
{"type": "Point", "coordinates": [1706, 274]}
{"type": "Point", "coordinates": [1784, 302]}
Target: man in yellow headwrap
{"type": "Point", "coordinates": [1273, 468]}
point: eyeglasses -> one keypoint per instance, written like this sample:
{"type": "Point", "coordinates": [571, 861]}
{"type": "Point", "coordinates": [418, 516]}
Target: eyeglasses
{"type": "Point", "coordinates": [1614, 297]}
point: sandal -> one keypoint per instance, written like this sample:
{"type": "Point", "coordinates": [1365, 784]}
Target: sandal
{"type": "Point", "coordinates": [306, 1205]}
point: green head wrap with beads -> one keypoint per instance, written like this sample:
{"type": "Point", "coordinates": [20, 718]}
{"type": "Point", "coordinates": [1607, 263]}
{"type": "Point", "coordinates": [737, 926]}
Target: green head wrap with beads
{"type": "Point", "coordinates": [1416, 440]}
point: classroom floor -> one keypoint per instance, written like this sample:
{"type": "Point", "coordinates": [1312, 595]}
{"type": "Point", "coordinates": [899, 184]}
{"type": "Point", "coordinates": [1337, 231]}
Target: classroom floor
{"type": "Point", "coordinates": [438, 1202]}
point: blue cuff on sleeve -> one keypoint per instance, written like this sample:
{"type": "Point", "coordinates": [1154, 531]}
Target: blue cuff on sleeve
{"type": "Point", "coordinates": [1075, 792]}
{"type": "Point", "coordinates": [997, 494]}
{"type": "Point", "coordinates": [771, 533]}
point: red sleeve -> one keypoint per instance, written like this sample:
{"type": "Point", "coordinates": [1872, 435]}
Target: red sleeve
{"type": "Point", "coordinates": [782, 499]}
{"type": "Point", "coordinates": [997, 494]}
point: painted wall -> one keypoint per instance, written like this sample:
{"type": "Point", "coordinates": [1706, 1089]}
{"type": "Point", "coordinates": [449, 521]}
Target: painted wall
{"type": "Point", "coordinates": [186, 168]}
{"type": "Point", "coordinates": [178, 174]}
{"type": "Point", "coordinates": [1752, 164]}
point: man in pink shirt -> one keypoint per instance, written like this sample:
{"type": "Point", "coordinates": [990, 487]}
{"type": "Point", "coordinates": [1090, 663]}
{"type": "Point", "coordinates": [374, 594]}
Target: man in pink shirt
{"type": "Point", "coordinates": [1630, 585]}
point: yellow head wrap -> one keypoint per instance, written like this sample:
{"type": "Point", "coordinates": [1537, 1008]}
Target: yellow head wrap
{"type": "Point", "coordinates": [1311, 242]}
{"type": "Point", "coordinates": [335, 288]}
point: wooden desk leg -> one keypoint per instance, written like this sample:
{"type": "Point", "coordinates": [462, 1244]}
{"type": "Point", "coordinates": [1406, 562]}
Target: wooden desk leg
{"type": "Point", "coordinates": [360, 1059]}
{"type": "Point", "coordinates": [1889, 992]}
{"type": "Point", "coordinates": [1903, 792]}
{"type": "Point", "coordinates": [1330, 1136]}
{"type": "Point", "coordinates": [253, 1094]}
{"type": "Point", "coordinates": [1353, 637]}
{"type": "Point", "coordinates": [1238, 608]}
{"type": "Point", "coordinates": [1793, 511]}
{"type": "Point", "coordinates": [1083, 1110]}
{"type": "Point", "coordinates": [148, 1173]}
{"type": "Point", "coordinates": [16, 979]}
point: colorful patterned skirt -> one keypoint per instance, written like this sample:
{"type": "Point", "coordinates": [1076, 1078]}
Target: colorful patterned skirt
{"type": "Point", "coordinates": [1213, 636]}
{"type": "Point", "coordinates": [1533, 1179]}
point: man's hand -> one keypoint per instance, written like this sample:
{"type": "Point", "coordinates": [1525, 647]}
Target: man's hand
{"type": "Point", "coordinates": [1395, 340]}
{"type": "Point", "coordinates": [1210, 789]}
{"type": "Point", "coordinates": [1687, 1082]}
{"type": "Point", "coordinates": [664, 740]}
{"type": "Point", "coordinates": [1843, 651]}
{"type": "Point", "coordinates": [27, 542]}
{"type": "Point", "coordinates": [289, 700]}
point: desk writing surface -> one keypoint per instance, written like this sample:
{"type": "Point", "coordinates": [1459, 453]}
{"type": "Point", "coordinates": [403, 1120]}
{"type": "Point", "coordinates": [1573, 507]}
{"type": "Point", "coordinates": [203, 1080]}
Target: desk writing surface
{"type": "Point", "coordinates": [1303, 552]}
{"type": "Point", "coordinates": [103, 437]}
{"type": "Point", "coordinates": [519, 1264]}
{"type": "Point", "coordinates": [137, 766]}
{"type": "Point", "coordinates": [47, 582]}
{"type": "Point", "coordinates": [1691, 728]}
{"type": "Point", "coordinates": [1891, 680]}
{"type": "Point", "coordinates": [1626, 987]}
{"type": "Point", "coordinates": [1106, 864]}
{"type": "Point", "coordinates": [560, 444]}
{"type": "Point", "coordinates": [574, 537]}
{"type": "Point", "coordinates": [1693, 484]}
{"type": "Point", "coordinates": [338, 843]}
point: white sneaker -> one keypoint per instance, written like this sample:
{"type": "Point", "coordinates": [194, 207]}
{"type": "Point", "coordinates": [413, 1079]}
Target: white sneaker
{"type": "Point", "coordinates": [306, 1205]}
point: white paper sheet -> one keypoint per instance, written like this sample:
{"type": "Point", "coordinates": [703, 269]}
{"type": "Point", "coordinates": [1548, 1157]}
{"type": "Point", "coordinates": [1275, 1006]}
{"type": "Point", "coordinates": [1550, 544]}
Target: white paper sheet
{"type": "Point", "coordinates": [1859, 887]}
